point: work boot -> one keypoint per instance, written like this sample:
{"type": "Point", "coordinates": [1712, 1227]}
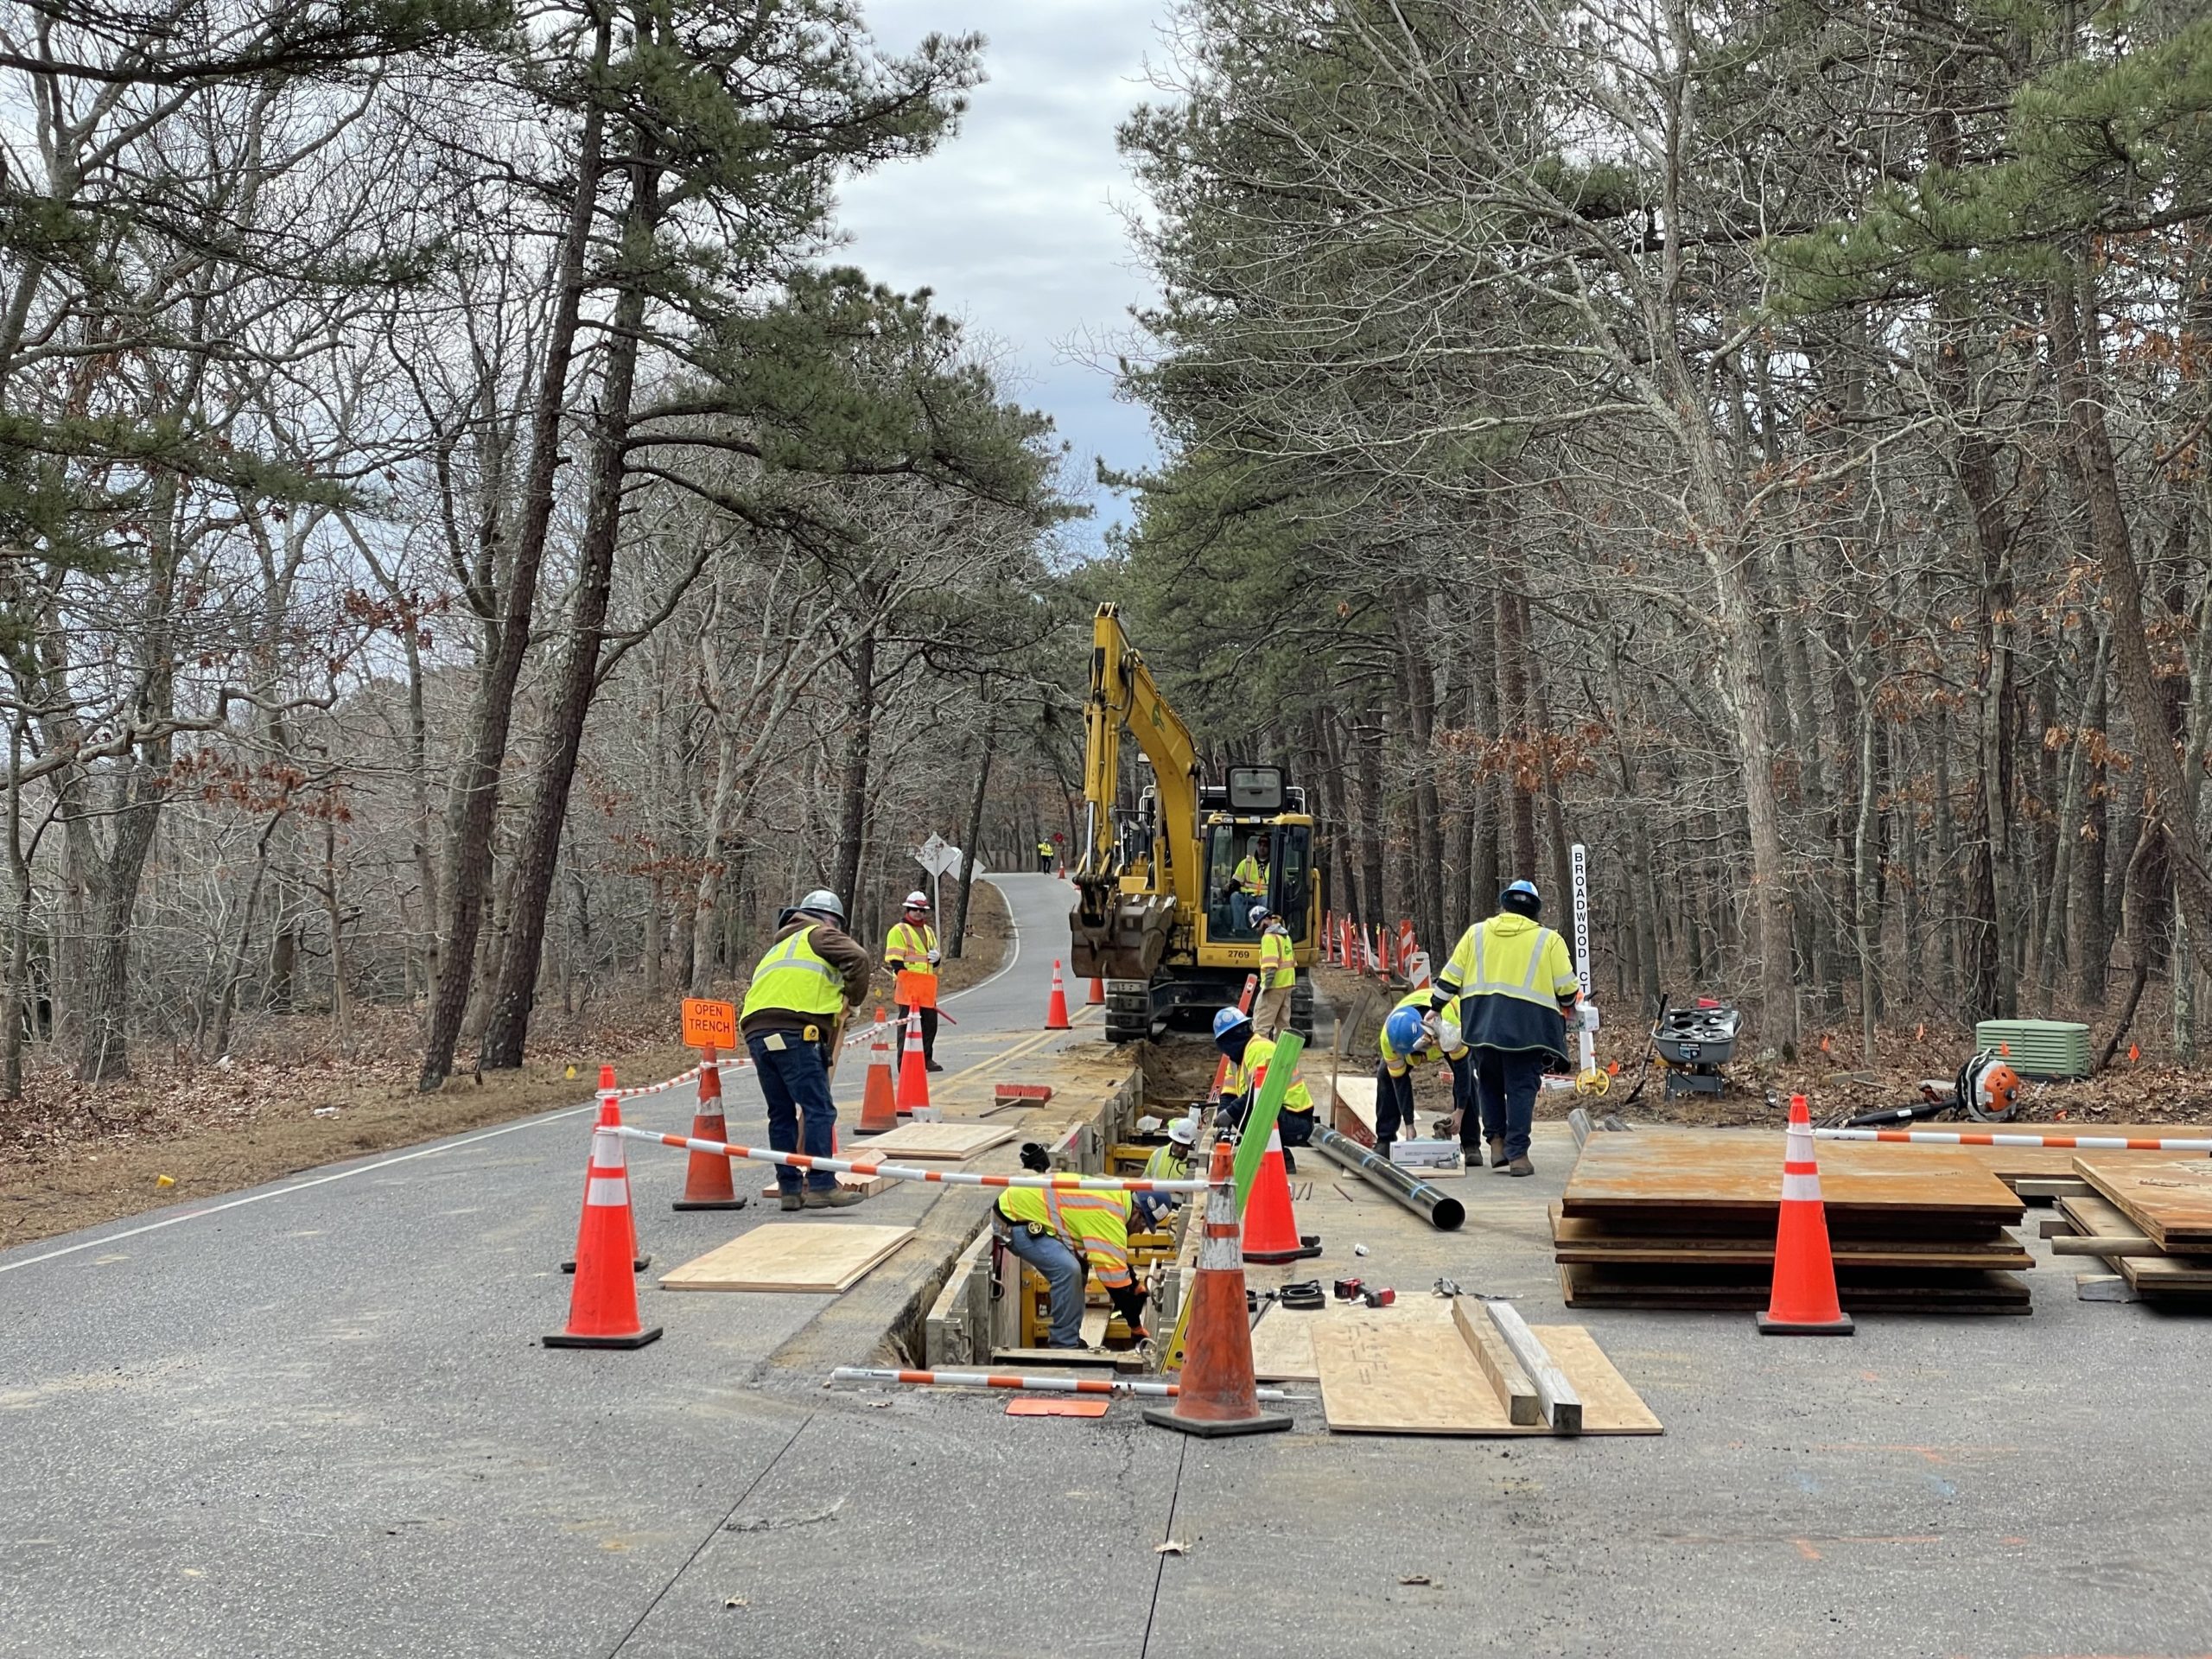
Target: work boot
{"type": "Point", "coordinates": [931, 1065]}
{"type": "Point", "coordinates": [837, 1198]}
{"type": "Point", "coordinates": [1496, 1152]}
{"type": "Point", "coordinates": [1520, 1166]}
{"type": "Point", "coordinates": [1471, 1154]}
{"type": "Point", "coordinates": [1289, 1162]}
{"type": "Point", "coordinates": [791, 1200]}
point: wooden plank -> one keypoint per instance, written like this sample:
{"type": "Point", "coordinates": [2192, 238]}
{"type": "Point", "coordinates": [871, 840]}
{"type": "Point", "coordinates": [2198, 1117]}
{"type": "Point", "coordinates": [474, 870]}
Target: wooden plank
{"type": "Point", "coordinates": [1737, 1172]}
{"type": "Point", "coordinates": [1405, 1377]}
{"type": "Point", "coordinates": [1563, 1406]}
{"type": "Point", "coordinates": [1030, 1361]}
{"type": "Point", "coordinates": [923, 1142]}
{"type": "Point", "coordinates": [1609, 1406]}
{"type": "Point", "coordinates": [1507, 1380]}
{"type": "Point", "coordinates": [1282, 1341]}
{"type": "Point", "coordinates": [866, 1186]}
{"type": "Point", "coordinates": [2103, 1288]}
{"type": "Point", "coordinates": [1860, 1291]}
{"type": "Point", "coordinates": [2105, 1245]}
{"type": "Point", "coordinates": [797, 1256]}
{"type": "Point", "coordinates": [2168, 1198]}
{"type": "Point", "coordinates": [2161, 1274]}
{"type": "Point", "coordinates": [1601, 1240]}
{"type": "Point", "coordinates": [2052, 1187]}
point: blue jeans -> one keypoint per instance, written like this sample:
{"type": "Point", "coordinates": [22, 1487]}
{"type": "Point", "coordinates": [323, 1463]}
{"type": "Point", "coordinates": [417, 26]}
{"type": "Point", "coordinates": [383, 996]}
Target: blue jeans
{"type": "Point", "coordinates": [795, 1080]}
{"type": "Point", "coordinates": [1063, 1271]}
{"type": "Point", "coordinates": [1507, 1083]}
{"type": "Point", "coordinates": [1393, 1101]}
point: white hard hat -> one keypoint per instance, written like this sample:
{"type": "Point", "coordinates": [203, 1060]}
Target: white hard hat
{"type": "Point", "coordinates": [1182, 1131]}
{"type": "Point", "coordinates": [918, 900]}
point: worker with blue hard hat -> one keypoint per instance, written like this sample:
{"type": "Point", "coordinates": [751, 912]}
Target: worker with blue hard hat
{"type": "Point", "coordinates": [1248, 1054]}
{"type": "Point", "coordinates": [1412, 1034]}
{"type": "Point", "coordinates": [1515, 982]}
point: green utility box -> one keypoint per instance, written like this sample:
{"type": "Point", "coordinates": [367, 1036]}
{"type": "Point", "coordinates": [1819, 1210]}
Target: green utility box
{"type": "Point", "coordinates": [2046, 1049]}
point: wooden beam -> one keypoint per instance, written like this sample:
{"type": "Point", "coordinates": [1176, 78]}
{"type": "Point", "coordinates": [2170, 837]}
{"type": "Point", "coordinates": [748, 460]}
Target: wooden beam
{"type": "Point", "coordinates": [1563, 1406]}
{"type": "Point", "coordinates": [2106, 1244]}
{"type": "Point", "coordinates": [2051, 1187]}
{"type": "Point", "coordinates": [1498, 1364]}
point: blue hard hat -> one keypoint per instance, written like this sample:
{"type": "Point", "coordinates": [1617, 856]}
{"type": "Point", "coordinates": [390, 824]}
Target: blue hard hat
{"type": "Point", "coordinates": [1526, 886]}
{"type": "Point", "coordinates": [1227, 1021]}
{"type": "Point", "coordinates": [1403, 1029]}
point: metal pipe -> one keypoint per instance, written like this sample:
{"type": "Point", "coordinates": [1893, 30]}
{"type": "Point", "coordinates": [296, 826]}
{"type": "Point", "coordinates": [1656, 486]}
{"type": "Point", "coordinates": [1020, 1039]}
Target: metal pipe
{"type": "Point", "coordinates": [1439, 1209]}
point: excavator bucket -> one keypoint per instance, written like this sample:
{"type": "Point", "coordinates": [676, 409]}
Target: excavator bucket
{"type": "Point", "coordinates": [1115, 935]}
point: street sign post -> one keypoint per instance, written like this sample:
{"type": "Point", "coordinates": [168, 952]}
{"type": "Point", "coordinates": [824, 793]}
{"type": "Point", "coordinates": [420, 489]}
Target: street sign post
{"type": "Point", "coordinates": [1587, 1047]}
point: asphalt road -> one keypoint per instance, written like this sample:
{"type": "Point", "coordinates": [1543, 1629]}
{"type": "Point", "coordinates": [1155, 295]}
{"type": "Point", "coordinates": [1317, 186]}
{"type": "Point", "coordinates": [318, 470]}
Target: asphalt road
{"type": "Point", "coordinates": [320, 1423]}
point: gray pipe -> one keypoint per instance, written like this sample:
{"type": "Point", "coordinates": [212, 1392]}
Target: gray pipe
{"type": "Point", "coordinates": [1439, 1209]}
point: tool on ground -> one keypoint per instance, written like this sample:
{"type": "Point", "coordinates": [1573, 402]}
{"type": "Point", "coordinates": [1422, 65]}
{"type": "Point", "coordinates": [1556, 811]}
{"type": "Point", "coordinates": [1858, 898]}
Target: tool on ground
{"type": "Point", "coordinates": [1986, 1088]}
{"type": "Point", "coordinates": [706, 1184]}
{"type": "Point", "coordinates": [1379, 1297]}
{"type": "Point", "coordinates": [603, 1301]}
{"type": "Point", "coordinates": [1164, 891]}
{"type": "Point", "coordinates": [1306, 1294]}
{"type": "Point", "coordinates": [1433, 1204]}
{"type": "Point", "coordinates": [880, 1094]}
{"type": "Point", "coordinates": [1034, 1384]}
{"type": "Point", "coordinates": [1346, 1289]}
{"type": "Point", "coordinates": [1446, 1288]}
{"type": "Point", "coordinates": [1803, 1300]}
{"type": "Point", "coordinates": [913, 1072]}
{"type": "Point", "coordinates": [1219, 1396]}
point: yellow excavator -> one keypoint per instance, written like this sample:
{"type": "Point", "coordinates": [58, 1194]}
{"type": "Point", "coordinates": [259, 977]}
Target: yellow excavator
{"type": "Point", "coordinates": [1165, 887]}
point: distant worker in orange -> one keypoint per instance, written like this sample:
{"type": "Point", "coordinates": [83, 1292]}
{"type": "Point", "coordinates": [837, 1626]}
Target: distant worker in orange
{"type": "Point", "coordinates": [912, 954]}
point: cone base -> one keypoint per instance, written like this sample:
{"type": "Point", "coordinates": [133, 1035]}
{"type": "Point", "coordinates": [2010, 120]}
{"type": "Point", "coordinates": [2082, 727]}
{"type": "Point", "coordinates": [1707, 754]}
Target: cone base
{"type": "Point", "coordinates": [708, 1204]}
{"type": "Point", "coordinates": [1276, 1258]}
{"type": "Point", "coordinates": [1770, 1326]}
{"type": "Point", "coordinates": [1265, 1422]}
{"type": "Point", "coordinates": [637, 1266]}
{"type": "Point", "coordinates": [651, 1333]}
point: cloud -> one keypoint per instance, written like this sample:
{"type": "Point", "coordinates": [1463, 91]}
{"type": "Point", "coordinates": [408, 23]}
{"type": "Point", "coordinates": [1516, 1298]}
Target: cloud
{"type": "Point", "coordinates": [1016, 224]}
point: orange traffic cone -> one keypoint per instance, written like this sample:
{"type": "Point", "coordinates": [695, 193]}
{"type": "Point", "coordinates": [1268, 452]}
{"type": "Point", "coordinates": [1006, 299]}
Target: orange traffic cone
{"type": "Point", "coordinates": [879, 1102]}
{"type": "Point", "coordinates": [913, 1074]}
{"type": "Point", "coordinates": [1803, 1301]}
{"type": "Point", "coordinates": [1218, 1394]}
{"type": "Point", "coordinates": [1056, 1010]}
{"type": "Point", "coordinates": [603, 1302]}
{"type": "Point", "coordinates": [638, 1260]}
{"type": "Point", "coordinates": [1097, 997]}
{"type": "Point", "coordinates": [1270, 1225]}
{"type": "Point", "coordinates": [706, 1184]}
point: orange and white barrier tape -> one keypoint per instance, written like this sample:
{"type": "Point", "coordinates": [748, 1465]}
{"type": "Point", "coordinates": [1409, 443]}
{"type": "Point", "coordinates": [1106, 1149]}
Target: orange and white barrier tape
{"type": "Point", "coordinates": [1009, 1380]}
{"type": "Point", "coordinates": [739, 1063]}
{"type": "Point", "coordinates": [1060, 1182]}
{"type": "Point", "coordinates": [2085, 1142]}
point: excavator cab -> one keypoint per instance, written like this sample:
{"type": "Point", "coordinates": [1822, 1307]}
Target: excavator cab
{"type": "Point", "coordinates": [1279, 855]}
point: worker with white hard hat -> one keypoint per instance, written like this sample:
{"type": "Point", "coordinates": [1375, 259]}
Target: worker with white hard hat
{"type": "Point", "coordinates": [912, 954]}
{"type": "Point", "coordinates": [1169, 1161]}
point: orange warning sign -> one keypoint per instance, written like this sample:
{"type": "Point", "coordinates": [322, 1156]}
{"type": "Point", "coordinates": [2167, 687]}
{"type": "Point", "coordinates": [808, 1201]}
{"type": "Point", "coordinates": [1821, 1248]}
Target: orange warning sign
{"type": "Point", "coordinates": [710, 1024]}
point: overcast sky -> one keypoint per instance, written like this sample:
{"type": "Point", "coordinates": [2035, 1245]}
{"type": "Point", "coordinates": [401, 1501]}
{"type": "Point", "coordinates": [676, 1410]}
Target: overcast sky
{"type": "Point", "coordinates": [1014, 222]}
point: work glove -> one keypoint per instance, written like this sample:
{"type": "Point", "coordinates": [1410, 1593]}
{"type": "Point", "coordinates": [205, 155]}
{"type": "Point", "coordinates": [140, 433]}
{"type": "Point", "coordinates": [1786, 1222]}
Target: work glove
{"type": "Point", "coordinates": [1430, 1028]}
{"type": "Point", "coordinates": [1128, 1302]}
{"type": "Point", "coordinates": [936, 956]}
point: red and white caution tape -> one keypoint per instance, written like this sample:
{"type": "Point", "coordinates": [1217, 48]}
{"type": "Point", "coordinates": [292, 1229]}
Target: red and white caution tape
{"type": "Point", "coordinates": [679, 1079]}
{"type": "Point", "coordinates": [1008, 1379]}
{"type": "Point", "coordinates": [1952, 1138]}
{"type": "Point", "coordinates": [1066, 1183]}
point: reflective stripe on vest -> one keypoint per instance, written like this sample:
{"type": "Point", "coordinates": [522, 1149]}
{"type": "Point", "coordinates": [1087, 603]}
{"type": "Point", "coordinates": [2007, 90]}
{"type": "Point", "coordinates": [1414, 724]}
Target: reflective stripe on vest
{"type": "Point", "coordinates": [1110, 1261]}
{"type": "Point", "coordinates": [1526, 991]}
{"type": "Point", "coordinates": [909, 949]}
{"type": "Point", "coordinates": [1276, 968]}
{"type": "Point", "coordinates": [793, 977]}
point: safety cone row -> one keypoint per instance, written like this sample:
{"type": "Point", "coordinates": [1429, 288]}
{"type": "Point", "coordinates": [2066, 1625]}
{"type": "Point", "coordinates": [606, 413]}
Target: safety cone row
{"type": "Point", "coordinates": [913, 1072]}
{"type": "Point", "coordinates": [706, 1184]}
{"type": "Point", "coordinates": [1056, 1010]}
{"type": "Point", "coordinates": [1219, 1393]}
{"type": "Point", "coordinates": [1270, 1223]}
{"type": "Point", "coordinates": [1803, 1300]}
{"type": "Point", "coordinates": [603, 1301]}
{"type": "Point", "coordinates": [879, 1100]}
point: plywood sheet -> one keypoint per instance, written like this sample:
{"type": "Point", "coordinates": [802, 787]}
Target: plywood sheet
{"type": "Point", "coordinates": [925, 1142]}
{"type": "Point", "coordinates": [1282, 1341]}
{"type": "Point", "coordinates": [2148, 1274]}
{"type": "Point", "coordinates": [1861, 1290]}
{"type": "Point", "coordinates": [866, 1186]}
{"type": "Point", "coordinates": [797, 1257]}
{"type": "Point", "coordinates": [1356, 1095]}
{"type": "Point", "coordinates": [1407, 1378]}
{"type": "Point", "coordinates": [1609, 1406]}
{"type": "Point", "coordinates": [1598, 1241]}
{"type": "Point", "coordinates": [2169, 1197]}
{"type": "Point", "coordinates": [1737, 1172]}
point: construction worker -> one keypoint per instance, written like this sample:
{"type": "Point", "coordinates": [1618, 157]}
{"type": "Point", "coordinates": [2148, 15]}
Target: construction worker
{"type": "Point", "coordinates": [1415, 1034]}
{"type": "Point", "coordinates": [912, 955]}
{"type": "Point", "coordinates": [1253, 870]}
{"type": "Point", "coordinates": [1249, 1054]}
{"type": "Point", "coordinates": [1067, 1234]}
{"type": "Point", "coordinates": [1044, 858]}
{"type": "Point", "coordinates": [1516, 985]}
{"type": "Point", "coordinates": [1278, 972]}
{"type": "Point", "coordinates": [793, 1008]}
{"type": "Point", "coordinates": [1169, 1161]}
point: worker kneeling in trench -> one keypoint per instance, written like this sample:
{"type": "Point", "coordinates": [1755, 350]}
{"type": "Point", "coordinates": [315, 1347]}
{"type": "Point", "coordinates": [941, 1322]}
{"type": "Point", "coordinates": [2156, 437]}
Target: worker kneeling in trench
{"type": "Point", "coordinates": [1067, 1234]}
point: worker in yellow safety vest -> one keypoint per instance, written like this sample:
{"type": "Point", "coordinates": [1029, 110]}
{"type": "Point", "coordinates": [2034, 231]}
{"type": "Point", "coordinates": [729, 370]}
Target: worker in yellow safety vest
{"type": "Point", "coordinates": [1248, 1054]}
{"type": "Point", "coordinates": [1169, 1161]}
{"type": "Point", "coordinates": [1067, 1234]}
{"type": "Point", "coordinates": [1415, 1034]}
{"type": "Point", "coordinates": [801, 988]}
{"type": "Point", "coordinates": [1252, 870]}
{"type": "Point", "coordinates": [1516, 985]}
{"type": "Point", "coordinates": [1278, 973]}
{"type": "Point", "coordinates": [1044, 858]}
{"type": "Point", "coordinates": [912, 955]}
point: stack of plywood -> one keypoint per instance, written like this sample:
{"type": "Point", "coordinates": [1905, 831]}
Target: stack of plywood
{"type": "Point", "coordinates": [1686, 1220]}
{"type": "Point", "coordinates": [2157, 1211]}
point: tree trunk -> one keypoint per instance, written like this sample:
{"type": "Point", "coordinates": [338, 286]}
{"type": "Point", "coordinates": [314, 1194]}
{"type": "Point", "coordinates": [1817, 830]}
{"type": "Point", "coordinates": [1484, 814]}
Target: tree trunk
{"type": "Point", "coordinates": [968, 853]}
{"type": "Point", "coordinates": [859, 735]}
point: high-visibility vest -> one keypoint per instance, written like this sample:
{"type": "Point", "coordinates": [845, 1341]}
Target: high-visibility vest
{"type": "Point", "coordinates": [1168, 1163]}
{"type": "Point", "coordinates": [1247, 1076]}
{"type": "Point", "coordinates": [1396, 1064]}
{"type": "Point", "coordinates": [907, 950]}
{"type": "Point", "coordinates": [1512, 977]}
{"type": "Point", "coordinates": [1251, 875]}
{"type": "Point", "coordinates": [1045, 849]}
{"type": "Point", "coordinates": [792, 976]}
{"type": "Point", "coordinates": [1277, 968]}
{"type": "Point", "coordinates": [1095, 1225]}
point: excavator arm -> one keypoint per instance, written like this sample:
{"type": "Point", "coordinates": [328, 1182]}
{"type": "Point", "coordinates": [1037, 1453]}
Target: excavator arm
{"type": "Point", "coordinates": [1118, 934]}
